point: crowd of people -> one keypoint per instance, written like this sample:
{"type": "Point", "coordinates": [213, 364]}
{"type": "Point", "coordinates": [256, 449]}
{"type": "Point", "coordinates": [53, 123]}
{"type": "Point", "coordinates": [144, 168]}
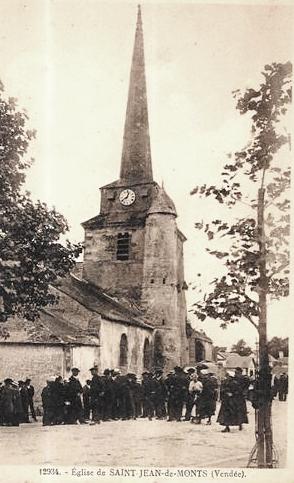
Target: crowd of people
{"type": "Point", "coordinates": [16, 402]}
{"type": "Point", "coordinates": [181, 395]}
{"type": "Point", "coordinates": [114, 396]}
{"type": "Point", "coordinates": [281, 386]}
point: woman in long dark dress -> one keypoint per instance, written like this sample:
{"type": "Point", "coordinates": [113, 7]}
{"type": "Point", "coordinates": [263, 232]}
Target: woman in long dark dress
{"type": "Point", "coordinates": [231, 412]}
{"type": "Point", "coordinates": [206, 404]}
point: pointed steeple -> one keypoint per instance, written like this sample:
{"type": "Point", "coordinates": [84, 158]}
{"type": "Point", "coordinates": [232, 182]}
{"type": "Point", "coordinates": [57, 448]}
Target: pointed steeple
{"type": "Point", "coordinates": [136, 157]}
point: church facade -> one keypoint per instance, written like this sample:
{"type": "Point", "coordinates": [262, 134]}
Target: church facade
{"type": "Point", "coordinates": [133, 248]}
{"type": "Point", "coordinates": [124, 306]}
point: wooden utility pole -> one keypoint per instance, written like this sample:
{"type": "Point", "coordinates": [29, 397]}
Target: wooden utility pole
{"type": "Point", "coordinates": [264, 438]}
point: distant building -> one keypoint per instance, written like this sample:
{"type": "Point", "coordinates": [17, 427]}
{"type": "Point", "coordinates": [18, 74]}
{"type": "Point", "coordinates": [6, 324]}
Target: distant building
{"type": "Point", "coordinates": [247, 363]}
{"type": "Point", "coordinates": [200, 346]}
{"type": "Point", "coordinates": [280, 365]}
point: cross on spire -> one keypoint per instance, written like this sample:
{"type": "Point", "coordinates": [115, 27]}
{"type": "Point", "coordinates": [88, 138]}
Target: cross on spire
{"type": "Point", "coordinates": [136, 156]}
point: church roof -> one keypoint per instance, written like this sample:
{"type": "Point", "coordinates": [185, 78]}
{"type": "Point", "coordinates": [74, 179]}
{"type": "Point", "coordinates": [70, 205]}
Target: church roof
{"type": "Point", "coordinates": [125, 183]}
{"type": "Point", "coordinates": [49, 328]}
{"type": "Point", "coordinates": [162, 203]}
{"type": "Point", "coordinates": [129, 219]}
{"type": "Point", "coordinates": [94, 299]}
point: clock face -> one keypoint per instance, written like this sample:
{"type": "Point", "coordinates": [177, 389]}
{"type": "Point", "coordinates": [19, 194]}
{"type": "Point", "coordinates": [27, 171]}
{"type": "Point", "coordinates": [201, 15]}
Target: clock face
{"type": "Point", "coordinates": [127, 197]}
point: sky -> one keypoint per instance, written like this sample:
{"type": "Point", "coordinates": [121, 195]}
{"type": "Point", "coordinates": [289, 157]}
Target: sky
{"type": "Point", "coordinates": [68, 62]}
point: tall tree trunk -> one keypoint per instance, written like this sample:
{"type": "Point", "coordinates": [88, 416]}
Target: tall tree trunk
{"type": "Point", "coordinates": [265, 437]}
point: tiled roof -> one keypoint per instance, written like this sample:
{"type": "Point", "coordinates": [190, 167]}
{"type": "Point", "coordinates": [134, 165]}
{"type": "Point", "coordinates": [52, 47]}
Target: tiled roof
{"type": "Point", "coordinates": [162, 203]}
{"type": "Point", "coordinates": [235, 360]}
{"type": "Point", "coordinates": [200, 335]}
{"type": "Point", "coordinates": [49, 329]}
{"type": "Point", "coordinates": [94, 299]}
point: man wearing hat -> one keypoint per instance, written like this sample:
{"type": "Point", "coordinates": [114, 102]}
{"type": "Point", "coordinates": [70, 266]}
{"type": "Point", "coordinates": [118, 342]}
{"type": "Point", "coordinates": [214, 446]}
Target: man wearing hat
{"type": "Point", "coordinates": [160, 394]}
{"type": "Point", "coordinates": [115, 376]}
{"type": "Point", "coordinates": [108, 397]}
{"type": "Point", "coordinates": [24, 396]}
{"type": "Point", "coordinates": [47, 396]}
{"type": "Point", "coordinates": [31, 393]}
{"type": "Point", "coordinates": [149, 392]}
{"type": "Point", "coordinates": [74, 391]}
{"type": "Point", "coordinates": [178, 390]}
{"type": "Point", "coordinates": [96, 396]}
{"type": "Point", "coordinates": [132, 396]}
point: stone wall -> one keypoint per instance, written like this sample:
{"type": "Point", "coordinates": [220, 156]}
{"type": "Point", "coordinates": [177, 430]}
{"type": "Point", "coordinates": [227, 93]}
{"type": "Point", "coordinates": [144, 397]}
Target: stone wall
{"type": "Point", "coordinates": [163, 281]}
{"type": "Point", "coordinates": [113, 209]}
{"type": "Point", "coordinates": [40, 361]}
{"type": "Point", "coordinates": [101, 267]}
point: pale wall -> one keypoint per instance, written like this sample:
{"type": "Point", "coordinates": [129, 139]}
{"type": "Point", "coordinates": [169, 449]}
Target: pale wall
{"type": "Point", "coordinates": [40, 361]}
{"type": "Point", "coordinates": [110, 335]}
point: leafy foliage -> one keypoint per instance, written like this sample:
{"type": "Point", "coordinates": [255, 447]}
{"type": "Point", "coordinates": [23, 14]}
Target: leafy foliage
{"type": "Point", "coordinates": [31, 255]}
{"type": "Point", "coordinates": [241, 348]}
{"type": "Point", "coordinates": [277, 345]}
{"type": "Point", "coordinates": [235, 295]}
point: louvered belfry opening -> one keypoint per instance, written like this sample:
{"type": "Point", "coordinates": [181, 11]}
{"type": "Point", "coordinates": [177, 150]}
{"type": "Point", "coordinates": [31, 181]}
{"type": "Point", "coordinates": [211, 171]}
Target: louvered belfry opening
{"type": "Point", "coordinates": [123, 246]}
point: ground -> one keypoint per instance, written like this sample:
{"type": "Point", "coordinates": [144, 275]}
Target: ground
{"type": "Point", "coordinates": [138, 443]}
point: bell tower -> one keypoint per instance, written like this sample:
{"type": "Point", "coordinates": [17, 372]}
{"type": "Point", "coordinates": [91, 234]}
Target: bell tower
{"type": "Point", "coordinates": [114, 240]}
{"type": "Point", "coordinates": [133, 248]}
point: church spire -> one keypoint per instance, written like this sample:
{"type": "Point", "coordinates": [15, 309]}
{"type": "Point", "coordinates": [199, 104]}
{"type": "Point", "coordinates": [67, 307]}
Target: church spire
{"type": "Point", "coordinates": [136, 157]}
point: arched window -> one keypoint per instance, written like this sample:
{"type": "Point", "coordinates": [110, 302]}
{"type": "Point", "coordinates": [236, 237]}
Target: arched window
{"type": "Point", "coordinates": [123, 350]}
{"type": "Point", "coordinates": [158, 357]}
{"type": "Point", "coordinates": [199, 351]}
{"type": "Point", "coordinates": [147, 355]}
{"type": "Point", "coordinates": [123, 246]}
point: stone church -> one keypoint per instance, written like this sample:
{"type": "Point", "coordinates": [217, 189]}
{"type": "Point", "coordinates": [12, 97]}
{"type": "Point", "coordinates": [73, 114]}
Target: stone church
{"type": "Point", "coordinates": [124, 306]}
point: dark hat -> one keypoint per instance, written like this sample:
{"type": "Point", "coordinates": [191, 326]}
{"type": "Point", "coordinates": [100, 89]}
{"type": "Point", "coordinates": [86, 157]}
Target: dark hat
{"type": "Point", "coordinates": [131, 375]}
{"type": "Point", "coordinates": [191, 369]}
{"type": "Point", "coordinates": [178, 369]}
{"type": "Point", "coordinates": [145, 373]}
{"type": "Point", "coordinates": [75, 369]}
{"type": "Point", "coordinates": [94, 368]}
{"type": "Point", "coordinates": [106, 372]}
{"type": "Point", "coordinates": [8, 380]}
{"type": "Point", "coordinates": [158, 371]}
{"type": "Point", "coordinates": [239, 369]}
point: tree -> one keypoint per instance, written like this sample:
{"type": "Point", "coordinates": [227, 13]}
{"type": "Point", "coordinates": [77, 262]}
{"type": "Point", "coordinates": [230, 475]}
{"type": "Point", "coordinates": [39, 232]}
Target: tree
{"type": "Point", "coordinates": [235, 295]}
{"type": "Point", "coordinates": [31, 255]}
{"type": "Point", "coordinates": [277, 345]}
{"type": "Point", "coordinates": [256, 259]}
{"type": "Point", "coordinates": [241, 348]}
